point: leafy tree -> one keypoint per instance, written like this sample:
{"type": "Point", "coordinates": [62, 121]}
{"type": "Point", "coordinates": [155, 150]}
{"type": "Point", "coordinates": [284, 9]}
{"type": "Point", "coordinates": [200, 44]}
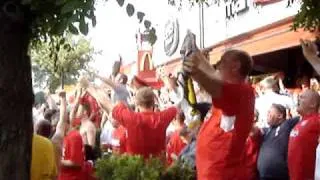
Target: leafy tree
{"type": "Point", "coordinates": [39, 77]}
{"type": "Point", "coordinates": [24, 22]}
{"type": "Point", "coordinates": [63, 62]}
{"type": "Point", "coordinates": [308, 16]}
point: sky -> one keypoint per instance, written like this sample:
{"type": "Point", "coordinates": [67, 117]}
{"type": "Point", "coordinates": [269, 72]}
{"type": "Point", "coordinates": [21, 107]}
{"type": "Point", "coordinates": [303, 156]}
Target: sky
{"type": "Point", "coordinates": [115, 31]}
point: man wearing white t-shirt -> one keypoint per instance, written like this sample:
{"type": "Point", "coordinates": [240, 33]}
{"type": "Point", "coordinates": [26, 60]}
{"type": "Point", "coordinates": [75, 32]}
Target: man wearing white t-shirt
{"type": "Point", "coordinates": [265, 101]}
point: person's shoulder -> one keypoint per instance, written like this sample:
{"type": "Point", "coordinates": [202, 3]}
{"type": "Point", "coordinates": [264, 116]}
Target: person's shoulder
{"type": "Point", "coordinates": [41, 139]}
{"type": "Point", "coordinates": [73, 133]}
{"type": "Point", "coordinates": [42, 142]}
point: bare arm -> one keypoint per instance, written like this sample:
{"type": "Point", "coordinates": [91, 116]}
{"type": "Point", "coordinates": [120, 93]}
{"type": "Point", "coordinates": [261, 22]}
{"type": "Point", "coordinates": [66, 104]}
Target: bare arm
{"type": "Point", "coordinates": [202, 72]}
{"type": "Point", "coordinates": [91, 136]}
{"type": "Point", "coordinates": [310, 52]}
{"type": "Point", "coordinates": [63, 116]}
{"type": "Point", "coordinates": [70, 164]}
{"type": "Point", "coordinates": [107, 81]}
{"type": "Point", "coordinates": [76, 105]}
{"type": "Point", "coordinates": [51, 102]}
{"type": "Point", "coordinates": [100, 96]}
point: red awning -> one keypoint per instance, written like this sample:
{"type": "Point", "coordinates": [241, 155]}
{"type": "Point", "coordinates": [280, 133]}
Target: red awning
{"type": "Point", "coordinates": [265, 1]}
{"type": "Point", "coordinates": [148, 78]}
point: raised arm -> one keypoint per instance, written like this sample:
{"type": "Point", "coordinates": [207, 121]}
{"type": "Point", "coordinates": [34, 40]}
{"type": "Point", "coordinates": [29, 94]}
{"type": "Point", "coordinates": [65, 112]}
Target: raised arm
{"type": "Point", "coordinates": [76, 105]}
{"type": "Point", "coordinates": [107, 81]}
{"type": "Point", "coordinates": [310, 52]}
{"type": "Point", "coordinates": [63, 115]}
{"type": "Point", "coordinates": [101, 98]}
{"type": "Point", "coordinates": [203, 73]}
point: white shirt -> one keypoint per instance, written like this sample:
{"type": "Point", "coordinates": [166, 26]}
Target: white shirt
{"type": "Point", "coordinates": [264, 103]}
{"type": "Point", "coordinates": [106, 134]}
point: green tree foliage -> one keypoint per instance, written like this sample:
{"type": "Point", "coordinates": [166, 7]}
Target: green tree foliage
{"type": "Point", "coordinates": [54, 17]}
{"type": "Point", "coordinates": [308, 16]}
{"type": "Point", "coordinates": [123, 167]}
{"type": "Point", "coordinates": [65, 60]}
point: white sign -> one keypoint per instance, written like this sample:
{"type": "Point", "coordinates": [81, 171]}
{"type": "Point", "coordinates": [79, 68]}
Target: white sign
{"type": "Point", "coordinates": [235, 7]}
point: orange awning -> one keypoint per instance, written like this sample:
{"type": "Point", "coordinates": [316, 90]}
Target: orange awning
{"type": "Point", "coordinates": [267, 39]}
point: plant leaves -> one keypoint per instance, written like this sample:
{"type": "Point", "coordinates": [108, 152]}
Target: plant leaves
{"type": "Point", "coordinates": [70, 6]}
{"type": "Point", "coordinates": [83, 26]}
{"type": "Point", "coordinates": [130, 9]}
{"type": "Point", "coordinates": [26, 2]}
{"type": "Point", "coordinates": [60, 2]}
{"type": "Point", "coordinates": [94, 21]}
{"type": "Point", "coordinates": [120, 2]}
{"type": "Point", "coordinates": [62, 41]}
{"type": "Point", "coordinates": [73, 29]}
{"type": "Point", "coordinates": [147, 24]}
{"type": "Point", "coordinates": [140, 16]}
{"type": "Point", "coordinates": [60, 27]}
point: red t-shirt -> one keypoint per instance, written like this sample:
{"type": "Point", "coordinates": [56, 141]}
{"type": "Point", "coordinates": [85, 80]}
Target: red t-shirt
{"type": "Point", "coordinates": [222, 138]}
{"type": "Point", "coordinates": [250, 157]}
{"type": "Point", "coordinates": [94, 107]}
{"type": "Point", "coordinates": [146, 130]}
{"type": "Point", "coordinates": [119, 135]}
{"type": "Point", "coordinates": [73, 151]}
{"type": "Point", "coordinates": [302, 148]}
{"type": "Point", "coordinates": [88, 172]}
{"type": "Point", "coordinates": [174, 146]}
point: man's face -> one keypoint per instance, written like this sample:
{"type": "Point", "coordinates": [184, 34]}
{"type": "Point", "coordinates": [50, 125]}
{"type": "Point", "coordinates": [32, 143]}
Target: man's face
{"type": "Point", "coordinates": [114, 123]}
{"type": "Point", "coordinates": [119, 79]}
{"type": "Point", "coordinates": [304, 101]}
{"type": "Point", "coordinates": [274, 117]}
{"type": "Point", "coordinates": [186, 139]}
{"type": "Point", "coordinates": [228, 69]}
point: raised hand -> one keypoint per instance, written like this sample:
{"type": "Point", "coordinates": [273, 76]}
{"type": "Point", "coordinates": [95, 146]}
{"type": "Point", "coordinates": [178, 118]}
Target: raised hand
{"type": "Point", "coordinates": [192, 63]}
{"type": "Point", "coordinates": [62, 94]}
{"type": "Point", "coordinates": [310, 50]}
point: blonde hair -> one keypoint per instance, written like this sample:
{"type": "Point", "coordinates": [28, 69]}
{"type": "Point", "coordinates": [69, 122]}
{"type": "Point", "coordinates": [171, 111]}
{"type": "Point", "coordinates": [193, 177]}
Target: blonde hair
{"type": "Point", "coordinates": [145, 97]}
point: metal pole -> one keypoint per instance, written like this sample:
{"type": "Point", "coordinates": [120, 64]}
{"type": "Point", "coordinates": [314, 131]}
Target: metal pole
{"type": "Point", "coordinates": [201, 23]}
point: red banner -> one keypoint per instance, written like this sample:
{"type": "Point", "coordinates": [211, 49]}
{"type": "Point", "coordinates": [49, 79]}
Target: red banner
{"type": "Point", "coordinates": [265, 1]}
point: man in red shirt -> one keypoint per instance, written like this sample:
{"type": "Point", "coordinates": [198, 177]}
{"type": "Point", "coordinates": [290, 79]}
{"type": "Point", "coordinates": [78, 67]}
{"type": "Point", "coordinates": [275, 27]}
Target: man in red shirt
{"type": "Point", "coordinates": [119, 136]}
{"type": "Point", "coordinates": [221, 140]}
{"type": "Point", "coordinates": [304, 138]}
{"type": "Point", "coordinates": [176, 144]}
{"type": "Point", "coordinates": [146, 128]}
{"type": "Point", "coordinates": [72, 157]}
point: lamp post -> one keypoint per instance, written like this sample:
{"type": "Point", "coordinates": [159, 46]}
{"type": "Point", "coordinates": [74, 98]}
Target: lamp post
{"type": "Point", "coordinates": [201, 24]}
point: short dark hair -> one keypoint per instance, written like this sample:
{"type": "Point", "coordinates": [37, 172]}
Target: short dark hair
{"type": "Point", "coordinates": [184, 132]}
{"type": "Point", "coordinates": [124, 78]}
{"type": "Point", "coordinates": [44, 128]}
{"type": "Point", "coordinates": [246, 62]}
{"type": "Point", "coordinates": [181, 117]}
{"type": "Point", "coordinates": [281, 109]}
{"type": "Point", "coordinates": [49, 114]}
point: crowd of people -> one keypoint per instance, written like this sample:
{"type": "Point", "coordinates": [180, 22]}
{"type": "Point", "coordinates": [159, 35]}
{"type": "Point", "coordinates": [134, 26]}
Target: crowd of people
{"type": "Point", "coordinates": [241, 131]}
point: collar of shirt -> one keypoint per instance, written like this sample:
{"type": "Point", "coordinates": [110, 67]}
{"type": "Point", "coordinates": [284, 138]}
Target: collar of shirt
{"type": "Point", "coordinates": [310, 116]}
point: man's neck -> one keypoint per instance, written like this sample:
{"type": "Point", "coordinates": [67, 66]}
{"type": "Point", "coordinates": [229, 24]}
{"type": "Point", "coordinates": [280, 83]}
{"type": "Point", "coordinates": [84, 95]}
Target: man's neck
{"type": "Point", "coordinates": [142, 109]}
{"type": "Point", "coordinates": [309, 112]}
{"type": "Point", "coordinates": [236, 80]}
